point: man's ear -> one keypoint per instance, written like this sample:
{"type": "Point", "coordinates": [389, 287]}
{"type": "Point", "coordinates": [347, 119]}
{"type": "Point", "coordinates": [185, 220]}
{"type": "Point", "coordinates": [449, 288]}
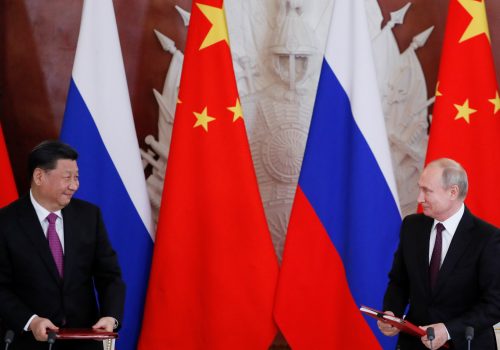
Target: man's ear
{"type": "Point", "coordinates": [37, 176]}
{"type": "Point", "coordinates": [454, 191]}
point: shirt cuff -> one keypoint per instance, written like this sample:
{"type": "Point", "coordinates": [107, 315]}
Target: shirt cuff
{"type": "Point", "coordinates": [27, 325]}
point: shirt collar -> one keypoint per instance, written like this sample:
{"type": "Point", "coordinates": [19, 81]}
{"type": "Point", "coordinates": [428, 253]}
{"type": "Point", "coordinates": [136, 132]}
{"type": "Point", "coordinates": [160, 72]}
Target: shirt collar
{"type": "Point", "coordinates": [41, 212]}
{"type": "Point", "coordinates": [452, 222]}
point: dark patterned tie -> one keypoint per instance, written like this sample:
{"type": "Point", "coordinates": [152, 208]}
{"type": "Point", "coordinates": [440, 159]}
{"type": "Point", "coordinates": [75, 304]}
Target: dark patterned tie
{"type": "Point", "coordinates": [436, 256]}
{"type": "Point", "coordinates": [55, 243]}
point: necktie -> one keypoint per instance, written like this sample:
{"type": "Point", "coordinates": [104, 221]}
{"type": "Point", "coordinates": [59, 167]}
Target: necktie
{"type": "Point", "coordinates": [55, 243]}
{"type": "Point", "coordinates": [436, 256]}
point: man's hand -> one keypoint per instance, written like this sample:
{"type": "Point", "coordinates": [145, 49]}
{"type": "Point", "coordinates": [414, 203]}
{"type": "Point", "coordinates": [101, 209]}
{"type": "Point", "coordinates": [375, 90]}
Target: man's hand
{"type": "Point", "coordinates": [386, 328]}
{"type": "Point", "coordinates": [39, 327]}
{"type": "Point", "coordinates": [105, 323]}
{"type": "Point", "coordinates": [440, 333]}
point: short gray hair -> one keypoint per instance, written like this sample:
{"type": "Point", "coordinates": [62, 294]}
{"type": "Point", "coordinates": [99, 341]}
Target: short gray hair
{"type": "Point", "coordinates": [453, 174]}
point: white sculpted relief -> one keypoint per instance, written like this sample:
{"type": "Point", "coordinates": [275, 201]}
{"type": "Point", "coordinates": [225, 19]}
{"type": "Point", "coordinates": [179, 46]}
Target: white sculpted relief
{"type": "Point", "coordinates": [157, 153]}
{"type": "Point", "coordinates": [277, 68]}
{"type": "Point", "coordinates": [403, 92]}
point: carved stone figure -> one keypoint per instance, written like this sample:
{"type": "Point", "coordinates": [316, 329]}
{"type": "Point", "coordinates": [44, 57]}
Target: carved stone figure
{"type": "Point", "coordinates": [403, 92]}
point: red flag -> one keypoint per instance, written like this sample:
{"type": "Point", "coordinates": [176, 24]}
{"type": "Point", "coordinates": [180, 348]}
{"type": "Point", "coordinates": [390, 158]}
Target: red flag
{"type": "Point", "coordinates": [214, 269]}
{"type": "Point", "coordinates": [466, 121]}
{"type": "Point", "coordinates": [8, 191]}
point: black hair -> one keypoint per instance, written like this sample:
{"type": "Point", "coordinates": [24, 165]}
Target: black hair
{"type": "Point", "coordinates": [46, 154]}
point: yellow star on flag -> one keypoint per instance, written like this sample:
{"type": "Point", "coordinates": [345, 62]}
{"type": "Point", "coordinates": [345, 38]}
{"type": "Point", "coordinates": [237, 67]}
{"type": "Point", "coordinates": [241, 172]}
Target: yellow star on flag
{"type": "Point", "coordinates": [479, 23]}
{"type": "Point", "coordinates": [496, 103]}
{"type": "Point", "coordinates": [237, 111]}
{"type": "Point", "coordinates": [218, 31]}
{"type": "Point", "coordinates": [202, 119]}
{"type": "Point", "coordinates": [464, 111]}
{"type": "Point", "coordinates": [438, 93]}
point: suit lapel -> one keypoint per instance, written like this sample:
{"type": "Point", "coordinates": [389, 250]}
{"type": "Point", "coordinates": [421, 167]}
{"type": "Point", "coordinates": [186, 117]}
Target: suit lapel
{"type": "Point", "coordinates": [423, 237]}
{"type": "Point", "coordinates": [70, 233]}
{"type": "Point", "coordinates": [28, 221]}
{"type": "Point", "coordinates": [458, 245]}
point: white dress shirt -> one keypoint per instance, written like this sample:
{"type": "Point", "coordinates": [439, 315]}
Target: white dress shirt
{"type": "Point", "coordinates": [42, 214]}
{"type": "Point", "coordinates": [450, 227]}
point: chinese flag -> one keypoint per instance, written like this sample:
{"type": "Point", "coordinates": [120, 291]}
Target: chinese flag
{"type": "Point", "coordinates": [8, 191]}
{"type": "Point", "coordinates": [214, 269]}
{"type": "Point", "coordinates": [466, 117]}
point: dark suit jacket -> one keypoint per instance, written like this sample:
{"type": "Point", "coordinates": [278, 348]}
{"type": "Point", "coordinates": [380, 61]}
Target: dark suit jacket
{"type": "Point", "coordinates": [468, 286]}
{"type": "Point", "coordinates": [30, 284]}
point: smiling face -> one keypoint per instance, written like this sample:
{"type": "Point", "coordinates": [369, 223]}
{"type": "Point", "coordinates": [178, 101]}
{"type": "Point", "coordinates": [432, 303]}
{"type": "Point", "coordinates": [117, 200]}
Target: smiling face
{"type": "Point", "coordinates": [54, 188]}
{"type": "Point", "coordinates": [437, 201]}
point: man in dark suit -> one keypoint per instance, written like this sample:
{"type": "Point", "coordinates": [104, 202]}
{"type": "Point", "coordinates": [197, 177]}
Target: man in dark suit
{"type": "Point", "coordinates": [54, 256]}
{"type": "Point", "coordinates": [447, 266]}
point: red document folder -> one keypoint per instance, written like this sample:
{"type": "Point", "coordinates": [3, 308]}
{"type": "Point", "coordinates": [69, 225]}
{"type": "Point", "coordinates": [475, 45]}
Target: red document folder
{"type": "Point", "coordinates": [401, 324]}
{"type": "Point", "coordinates": [84, 333]}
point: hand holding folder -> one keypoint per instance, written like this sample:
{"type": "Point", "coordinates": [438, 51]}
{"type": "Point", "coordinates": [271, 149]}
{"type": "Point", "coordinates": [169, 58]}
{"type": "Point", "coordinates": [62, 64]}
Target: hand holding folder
{"type": "Point", "coordinates": [400, 323]}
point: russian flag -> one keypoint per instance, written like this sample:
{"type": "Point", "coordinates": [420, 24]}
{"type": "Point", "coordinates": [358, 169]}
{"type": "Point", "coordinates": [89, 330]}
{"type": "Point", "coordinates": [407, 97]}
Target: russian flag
{"type": "Point", "coordinates": [98, 122]}
{"type": "Point", "coordinates": [345, 218]}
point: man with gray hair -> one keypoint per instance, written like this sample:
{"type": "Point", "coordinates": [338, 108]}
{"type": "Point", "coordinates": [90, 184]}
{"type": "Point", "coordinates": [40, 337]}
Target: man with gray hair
{"type": "Point", "coordinates": [446, 267]}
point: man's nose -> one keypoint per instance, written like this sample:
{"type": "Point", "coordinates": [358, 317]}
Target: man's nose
{"type": "Point", "coordinates": [420, 197]}
{"type": "Point", "coordinates": [73, 185]}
